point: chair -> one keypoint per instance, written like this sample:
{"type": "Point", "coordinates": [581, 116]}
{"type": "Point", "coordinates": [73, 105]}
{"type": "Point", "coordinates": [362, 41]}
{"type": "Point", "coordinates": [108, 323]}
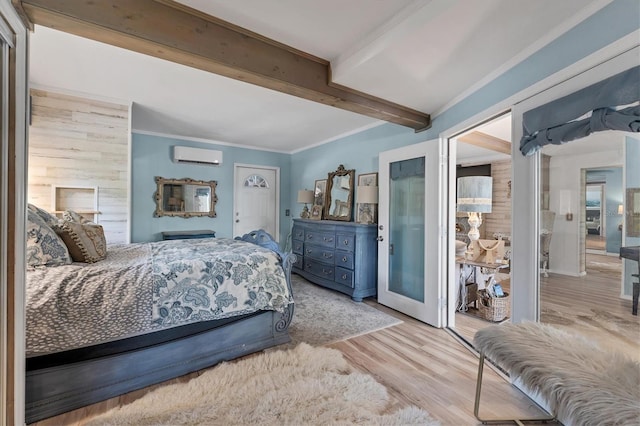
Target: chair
{"type": "Point", "coordinates": [546, 231]}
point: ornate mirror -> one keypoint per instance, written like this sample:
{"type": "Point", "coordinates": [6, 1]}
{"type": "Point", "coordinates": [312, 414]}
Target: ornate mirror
{"type": "Point", "coordinates": [339, 194]}
{"type": "Point", "coordinates": [185, 197]}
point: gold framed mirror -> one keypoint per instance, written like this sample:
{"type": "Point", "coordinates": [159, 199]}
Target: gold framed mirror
{"type": "Point", "coordinates": [185, 197]}
{"type": "Point", "coordinates": [339, 194]}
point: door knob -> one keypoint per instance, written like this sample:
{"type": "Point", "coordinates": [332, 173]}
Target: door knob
{"type": "Point", "coordinates": [381, 227]}
{"type": "Point", "coordinates": [380, 238]}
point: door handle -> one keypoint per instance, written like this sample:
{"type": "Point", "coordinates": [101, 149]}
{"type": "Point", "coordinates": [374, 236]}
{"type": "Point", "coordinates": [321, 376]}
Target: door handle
{"type": "Point", "coordinates": [237, 220]}
{"type": "Point", "coordinates": [380, 238]}
{"type": "Point", "coordinates": [390, 249]}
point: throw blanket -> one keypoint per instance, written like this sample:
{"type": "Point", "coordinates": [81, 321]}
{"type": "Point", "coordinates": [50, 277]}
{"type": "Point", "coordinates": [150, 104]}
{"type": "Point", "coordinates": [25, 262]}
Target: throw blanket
{"type": "Point", "coordinates": [206, 279]}
{"type": "Point", "coordinates": [145, 287]}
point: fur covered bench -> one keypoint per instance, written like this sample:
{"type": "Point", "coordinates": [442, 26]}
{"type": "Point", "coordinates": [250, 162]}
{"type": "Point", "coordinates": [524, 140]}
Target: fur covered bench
{"type": "Point", "coordinates": [581, 383]}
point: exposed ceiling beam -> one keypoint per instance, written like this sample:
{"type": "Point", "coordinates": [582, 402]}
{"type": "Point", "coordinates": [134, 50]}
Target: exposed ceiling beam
{"type": "Point", "coordinates": [172, 31]}
{"type": "Point", "coordinates": [486, 141]}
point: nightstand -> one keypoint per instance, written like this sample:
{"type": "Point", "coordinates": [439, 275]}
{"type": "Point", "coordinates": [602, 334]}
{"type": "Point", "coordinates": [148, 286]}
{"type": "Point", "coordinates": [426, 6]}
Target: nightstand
{"type": "Point", "coordinates": [188, 235]}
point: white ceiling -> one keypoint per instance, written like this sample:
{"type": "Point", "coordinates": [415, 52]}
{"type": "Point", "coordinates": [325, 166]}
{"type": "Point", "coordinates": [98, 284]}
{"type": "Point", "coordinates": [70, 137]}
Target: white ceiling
{"type": "Point", "coordinates": [424, 54]}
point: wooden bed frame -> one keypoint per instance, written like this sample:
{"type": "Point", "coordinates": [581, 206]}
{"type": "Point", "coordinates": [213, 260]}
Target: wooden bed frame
{"type": "Point", "coordinates": [54, 390]}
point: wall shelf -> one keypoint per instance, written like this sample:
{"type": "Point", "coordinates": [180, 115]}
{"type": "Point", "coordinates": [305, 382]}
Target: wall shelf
{"type": "Point", "coordinates": [81, 199]}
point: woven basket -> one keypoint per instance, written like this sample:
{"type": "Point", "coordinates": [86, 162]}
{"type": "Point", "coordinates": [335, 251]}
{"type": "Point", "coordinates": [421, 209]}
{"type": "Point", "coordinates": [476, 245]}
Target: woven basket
{"type": "Point", "coordinates": [493, 308]}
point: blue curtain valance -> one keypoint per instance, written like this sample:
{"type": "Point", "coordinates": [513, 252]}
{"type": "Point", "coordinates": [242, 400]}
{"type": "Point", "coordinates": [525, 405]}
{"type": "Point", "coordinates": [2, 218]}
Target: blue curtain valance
{"type": "Point", "coordinates": [561, 121]}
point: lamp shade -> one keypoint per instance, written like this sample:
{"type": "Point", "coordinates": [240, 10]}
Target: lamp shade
{"type": "Point", "coordinates": [620, 209]}
{"type": "Point", "coordinates": [474, 194]}
{"type": "Point", "coordinates": [305, 196]}
{"type": "Point", "coordinates": [367, 194]}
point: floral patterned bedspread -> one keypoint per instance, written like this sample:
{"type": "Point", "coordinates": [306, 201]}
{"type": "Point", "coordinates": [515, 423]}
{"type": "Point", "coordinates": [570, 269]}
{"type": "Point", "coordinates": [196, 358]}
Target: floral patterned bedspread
{"type": "Point", "coordinates": [145, 287]}
{"type": "Point", "coordinates": [200, 280]}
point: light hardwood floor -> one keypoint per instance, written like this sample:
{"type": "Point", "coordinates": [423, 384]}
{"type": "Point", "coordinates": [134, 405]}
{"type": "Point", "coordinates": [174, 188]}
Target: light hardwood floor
{"type": "Point", "coordinates": [589, 305]}
{"type": "Point", "coordinates": [419, 365]}
{"type": "Point", "coordinates": [432, 369]}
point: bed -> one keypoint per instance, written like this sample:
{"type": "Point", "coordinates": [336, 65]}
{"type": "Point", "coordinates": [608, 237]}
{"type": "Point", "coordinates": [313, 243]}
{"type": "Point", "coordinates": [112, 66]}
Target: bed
{"type": "Point", "coordinates": [166, 309]}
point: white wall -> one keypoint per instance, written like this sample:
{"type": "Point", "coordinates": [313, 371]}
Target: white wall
{"type": "Point", "coordinates": [564, 175]}
{"type": "Point", "coordinates": [78, 142]}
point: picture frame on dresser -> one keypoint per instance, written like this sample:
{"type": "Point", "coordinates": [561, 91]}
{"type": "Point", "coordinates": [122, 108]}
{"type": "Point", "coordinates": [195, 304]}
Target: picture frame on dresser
{"type": "Point", "coordinates": [319, 195]}
{"type": "Point", "coordinates": [316, 212]}
{"type": "Point", "coordinates": [368, 179]}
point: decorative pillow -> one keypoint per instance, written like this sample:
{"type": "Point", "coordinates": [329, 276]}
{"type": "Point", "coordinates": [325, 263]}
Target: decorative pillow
{"type": "Point", "coordinates": [86, 241]}
{"type": "Point", "coordinates": [44, 247]}
{"type": "Point", "coordinates": [72, 216]}
{"type": "Point", "coordinates": [50, 219]}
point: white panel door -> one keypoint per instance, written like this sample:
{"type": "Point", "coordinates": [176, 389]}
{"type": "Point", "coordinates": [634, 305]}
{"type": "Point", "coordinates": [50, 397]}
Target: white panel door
{"type": "Point", "coordinates": [409, 231]}
{"type": "Point", "coordinates": [256, 200]}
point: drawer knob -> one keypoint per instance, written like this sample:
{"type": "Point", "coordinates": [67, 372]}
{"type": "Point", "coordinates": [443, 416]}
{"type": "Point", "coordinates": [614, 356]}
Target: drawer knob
{"type": "Point", "coordinates": [344, 259]}
{"type": "Point", "coordinates": [309, 251]}
{"type": "Point", "coordinates": [309, 237]}
{"type": "Point", "coordinates": [327, 255]}
{"type": "Point", "coordinates": [327, 272]}
{"type": "Point", "coordinates": [344, 276]}
{"type": "Point", "coordinates": [329, 240]}
{"type": "Point", "coordinates": [346, 242]}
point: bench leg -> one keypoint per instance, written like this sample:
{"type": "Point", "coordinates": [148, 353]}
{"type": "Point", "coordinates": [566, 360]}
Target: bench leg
{"type": "Point", "coordinates": [476, 405]}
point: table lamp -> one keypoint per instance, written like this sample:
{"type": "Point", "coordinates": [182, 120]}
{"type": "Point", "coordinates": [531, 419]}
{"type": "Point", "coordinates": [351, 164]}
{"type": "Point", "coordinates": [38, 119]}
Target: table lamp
{"type": "Point", "coordinates": [366, 195]}
{"type": "Point", "coordinates": [474, 198]}
{"type": "Point", "coordinates": [305, 196]}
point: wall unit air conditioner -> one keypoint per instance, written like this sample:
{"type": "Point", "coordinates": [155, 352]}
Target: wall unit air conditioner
{"type": "Point", "coordinates": [185, 154]}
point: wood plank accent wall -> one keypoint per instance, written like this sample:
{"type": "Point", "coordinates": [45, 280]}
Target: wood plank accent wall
{"type": "Point", "coordinates": [499, 220]}
{"type": "Point", "coordinates": [84, 143]}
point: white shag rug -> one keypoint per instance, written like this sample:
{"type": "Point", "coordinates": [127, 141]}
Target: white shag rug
{"type": "Point", "coordinates": [300, 386]}
{"type": "Point", "coordinates": [584, 384]}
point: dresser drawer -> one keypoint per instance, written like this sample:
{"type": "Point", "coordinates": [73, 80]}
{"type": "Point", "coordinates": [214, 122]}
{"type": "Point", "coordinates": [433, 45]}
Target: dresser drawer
{"type": "Point", "coordinates": [344, 277]}
{"type": "Point", "coordinates": [319, 269]}
{"type": "Point", "coordinates": [319, 253]}
{"type": "Point", "coordinates": [345, 241]}
{"type": "Point", "coordinates": [323, 239]}
{"type": "Point", "coordinates": [297, 233]}
{"type": "Point", "coordinates": [344, 259]}
{"type": "Point", "coordinates": [297, 247]}
{"type": "Point", "coordinates": [299, 263]}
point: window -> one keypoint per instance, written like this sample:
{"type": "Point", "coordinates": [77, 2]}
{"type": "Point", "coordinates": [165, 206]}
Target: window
{"type": "Point", "coordinates": [256, 181]}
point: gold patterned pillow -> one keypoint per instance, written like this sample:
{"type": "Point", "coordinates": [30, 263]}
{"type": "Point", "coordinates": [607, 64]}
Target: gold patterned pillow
{"type": "Point", "coordinates": [85, 241]}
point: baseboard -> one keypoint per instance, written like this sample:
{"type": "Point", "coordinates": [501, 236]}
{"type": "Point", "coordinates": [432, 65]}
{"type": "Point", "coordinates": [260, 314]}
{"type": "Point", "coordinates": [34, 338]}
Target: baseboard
{"type": "Point", "coordinates": [592, 251]}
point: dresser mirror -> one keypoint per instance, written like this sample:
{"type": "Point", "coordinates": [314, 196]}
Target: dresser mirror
{"type": "Point", "coordinates": [339, 194]}
{"type": "Point", "coordinates": [185, 197]}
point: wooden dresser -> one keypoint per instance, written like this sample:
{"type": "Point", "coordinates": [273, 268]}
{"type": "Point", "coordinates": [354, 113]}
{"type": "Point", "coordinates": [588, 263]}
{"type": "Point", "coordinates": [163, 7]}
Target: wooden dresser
{"type": "Point", "coordinates": [342, 256]}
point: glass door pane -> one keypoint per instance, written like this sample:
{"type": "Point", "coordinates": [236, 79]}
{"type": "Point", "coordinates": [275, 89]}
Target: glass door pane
{"type": "Point", "coordinates": [406, 225]}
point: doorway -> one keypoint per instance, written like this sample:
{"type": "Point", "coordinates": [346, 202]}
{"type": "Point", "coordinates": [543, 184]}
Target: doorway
{"type": "Point", "coordinates": [483, 150]}
{"type": "Point", "coordinates": [256, 199]}
{"type": "Point", "coordinates": [603, 210]}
